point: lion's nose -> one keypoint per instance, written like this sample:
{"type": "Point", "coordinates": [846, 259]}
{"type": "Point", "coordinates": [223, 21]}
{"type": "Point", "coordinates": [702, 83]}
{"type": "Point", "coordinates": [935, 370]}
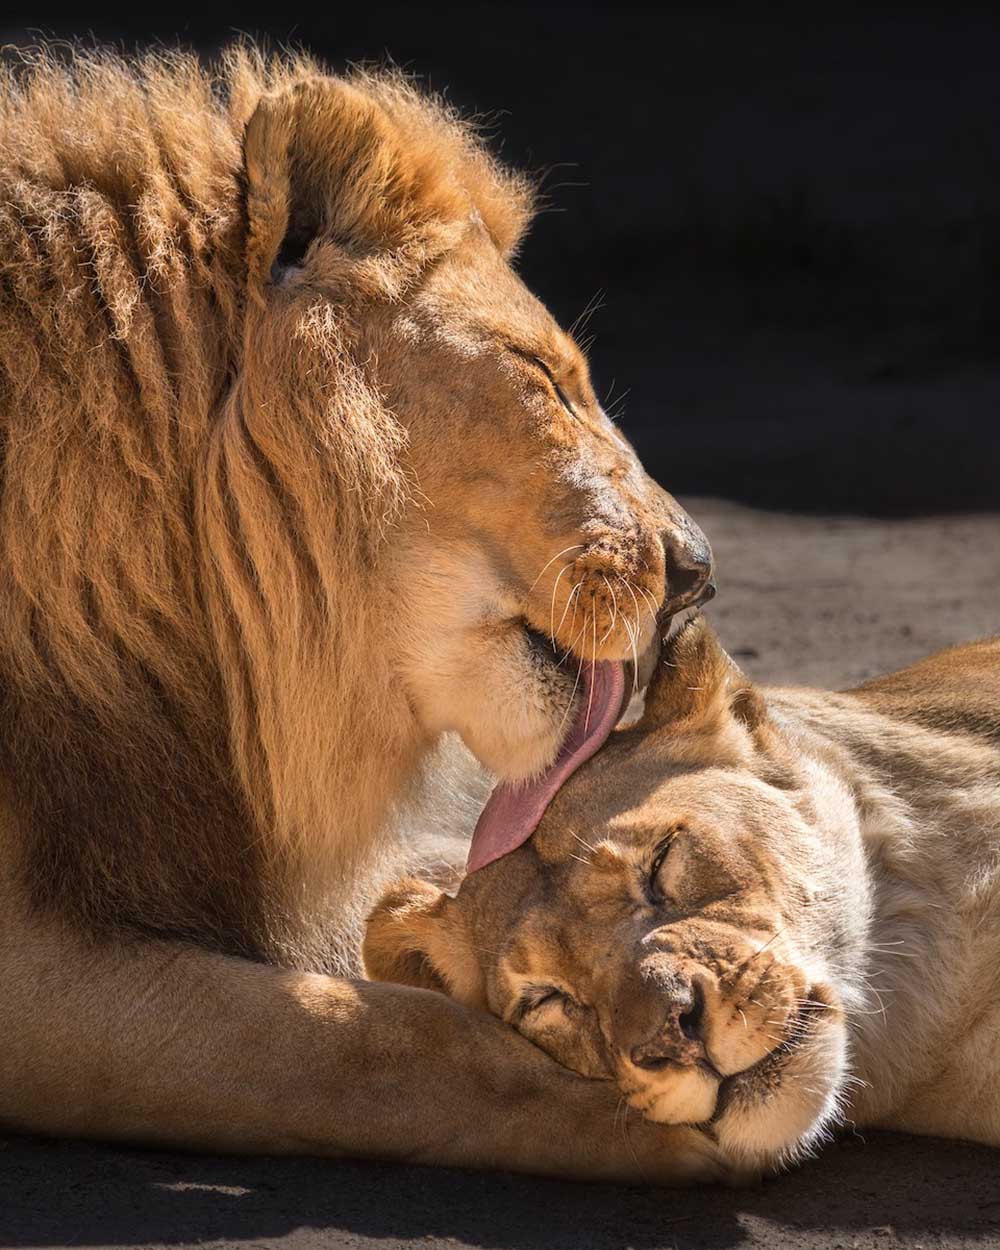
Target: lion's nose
{"type": "Point", "coordinates": [689, 568]}
{"type": "Point", "coordinates": [679, 1040]}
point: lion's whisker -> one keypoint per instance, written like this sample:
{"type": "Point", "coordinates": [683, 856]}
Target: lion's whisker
{"type": "Point", "coordinates": [594, 304]}
{"type": "Point", "coordinates": [552, 603]}
{"type": "Point", "coordinates": [650, 601]}
{"type": "Point", "coordinates": [633, 637]}
{"type": "Point", "coordinates": [590, 700]}
{"type": "Point", "coordinates": [573, 547]}
{"type": "Point", "coordinates": [575, 639]}
{"type": "Point", "coordinates": [572, 697]}
{"type": "Point", "coordinates": [572, 596]}
{"type": "Point", "coordinates": [614, 611]}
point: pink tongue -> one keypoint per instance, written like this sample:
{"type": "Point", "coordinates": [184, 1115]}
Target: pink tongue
{"type": "Point", "coordinates": [513, 810]}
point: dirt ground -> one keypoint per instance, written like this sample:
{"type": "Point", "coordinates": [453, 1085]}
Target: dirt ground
{"type": "Point", "coordinates": [815, 600]}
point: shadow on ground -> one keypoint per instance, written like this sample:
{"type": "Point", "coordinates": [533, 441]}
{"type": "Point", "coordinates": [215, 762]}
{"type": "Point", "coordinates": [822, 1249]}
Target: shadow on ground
{"type": "Point", "coordinates": [881, 1191]}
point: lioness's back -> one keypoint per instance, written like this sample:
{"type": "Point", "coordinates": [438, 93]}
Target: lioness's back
{"type": "Point", "coordinates": [953, 691]}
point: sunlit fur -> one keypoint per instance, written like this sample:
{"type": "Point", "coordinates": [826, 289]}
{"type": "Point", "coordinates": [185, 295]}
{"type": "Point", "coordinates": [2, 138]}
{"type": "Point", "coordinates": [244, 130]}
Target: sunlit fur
{"type": "Point", "coordinates": [225, 643]}
{"type": "Point", "coordinates": [291, 462]}
{"type": "Point", "coordinates": [832, 885]}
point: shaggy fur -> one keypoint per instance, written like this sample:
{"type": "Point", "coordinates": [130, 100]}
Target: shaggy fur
{"type": "Point", "coordinates": [296, 477]}
{"type": "Point", "coordinates": [159, 541]}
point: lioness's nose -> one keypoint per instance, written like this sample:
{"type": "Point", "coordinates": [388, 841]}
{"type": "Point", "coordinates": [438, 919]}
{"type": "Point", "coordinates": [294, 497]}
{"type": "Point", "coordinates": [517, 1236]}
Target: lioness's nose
{"type": "Point", "coordinates": [679, 1039]}
{"type": "Point", "coordinates": [689, 567]}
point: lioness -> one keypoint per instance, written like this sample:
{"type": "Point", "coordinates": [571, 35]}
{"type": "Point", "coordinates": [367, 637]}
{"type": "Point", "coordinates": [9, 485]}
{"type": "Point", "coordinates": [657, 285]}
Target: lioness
{"type": "Point", "coordinates": [757, 912]}
{"type": "Point", "coordinates": [297, 476]}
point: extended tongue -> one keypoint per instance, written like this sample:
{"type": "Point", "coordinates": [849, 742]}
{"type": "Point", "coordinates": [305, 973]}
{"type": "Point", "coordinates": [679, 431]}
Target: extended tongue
{"type": "Point", "coordinates": [513, 810]}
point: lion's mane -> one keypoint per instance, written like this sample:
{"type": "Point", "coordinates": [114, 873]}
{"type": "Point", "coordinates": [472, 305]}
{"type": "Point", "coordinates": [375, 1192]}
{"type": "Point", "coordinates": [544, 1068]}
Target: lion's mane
{"type": "Point", "coordinates": [187, 593]}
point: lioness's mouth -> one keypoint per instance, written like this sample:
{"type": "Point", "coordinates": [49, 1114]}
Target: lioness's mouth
{"type": "Point", "coordinates": [764, 1075]}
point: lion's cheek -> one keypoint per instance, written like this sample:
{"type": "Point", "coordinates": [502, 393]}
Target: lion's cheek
{"type": "Point", "coordinates": [484, 684]}
{"type": "Point", "coordinates": [511, 716]}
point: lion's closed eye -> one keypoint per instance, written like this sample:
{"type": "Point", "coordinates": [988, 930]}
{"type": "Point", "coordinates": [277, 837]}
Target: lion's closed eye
{"type": "Point", "coordinates": [543, 367]}
{"type": "Point", "coordinates": [557, 386]}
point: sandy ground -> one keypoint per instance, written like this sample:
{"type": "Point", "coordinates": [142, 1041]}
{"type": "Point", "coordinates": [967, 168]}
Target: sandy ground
{"type": "Point", "coordinates": [802, 599]}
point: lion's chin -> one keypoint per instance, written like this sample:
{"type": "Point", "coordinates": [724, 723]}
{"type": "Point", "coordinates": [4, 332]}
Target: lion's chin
{"type": "Point", "coordinates": [514, 706]}
{"type": "Point", "coordinates": [510, 694]}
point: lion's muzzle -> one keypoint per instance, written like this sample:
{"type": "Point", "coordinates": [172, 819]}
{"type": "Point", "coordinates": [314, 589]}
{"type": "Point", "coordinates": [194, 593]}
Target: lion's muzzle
{"type": "Point", "coordinates": [689, 566]}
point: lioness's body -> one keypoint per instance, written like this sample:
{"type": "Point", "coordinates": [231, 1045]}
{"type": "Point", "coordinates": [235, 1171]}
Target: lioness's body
{"type": "Point", "coordinates": [296, 477]}
{"type": "Point", "coordinates": [920, 751]}
{"type": "Point", "coordinates": [831, 887]}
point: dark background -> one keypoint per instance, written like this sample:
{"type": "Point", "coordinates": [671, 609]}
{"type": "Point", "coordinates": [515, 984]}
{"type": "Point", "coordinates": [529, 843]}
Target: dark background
{"type": "Point", "coordinates": [792, 219]}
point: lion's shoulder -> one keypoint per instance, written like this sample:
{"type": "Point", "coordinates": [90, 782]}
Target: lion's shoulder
{"type": "Point", "coordinates": [953, 691]}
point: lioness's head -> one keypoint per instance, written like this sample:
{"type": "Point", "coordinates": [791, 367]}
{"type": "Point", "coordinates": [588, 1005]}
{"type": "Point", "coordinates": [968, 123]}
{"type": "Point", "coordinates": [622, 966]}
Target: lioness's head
{"type": "Point", "coordinates": [385, 311]}
{"type": "Point", "coordinates": [678, 924]}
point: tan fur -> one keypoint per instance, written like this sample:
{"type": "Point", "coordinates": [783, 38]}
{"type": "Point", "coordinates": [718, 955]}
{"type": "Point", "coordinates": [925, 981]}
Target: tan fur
{"type": "Point", "coordinates": [820, 940]}
{"type": "Point", "coordinates": [292, 466]}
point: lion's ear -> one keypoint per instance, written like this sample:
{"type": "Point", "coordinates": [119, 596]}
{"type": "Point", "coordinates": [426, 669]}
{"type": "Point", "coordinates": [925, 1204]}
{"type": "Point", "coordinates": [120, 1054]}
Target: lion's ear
{"type": "Point", "coordinates": [324, 160]}
{"type": "Point", "coordinates": [416, 936]}
{"type": "Point", "coordinates": [695, 685]}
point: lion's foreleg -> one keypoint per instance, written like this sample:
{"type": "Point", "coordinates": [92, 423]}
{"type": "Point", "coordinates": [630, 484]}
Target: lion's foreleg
{"type": "Point", "coordinates": [168, 1044]}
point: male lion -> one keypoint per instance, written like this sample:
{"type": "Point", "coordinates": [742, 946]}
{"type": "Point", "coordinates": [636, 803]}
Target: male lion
{"type": "Point", "coordinates": [296, 477]}
{"type": "Point", "coordinates": [756, 912]}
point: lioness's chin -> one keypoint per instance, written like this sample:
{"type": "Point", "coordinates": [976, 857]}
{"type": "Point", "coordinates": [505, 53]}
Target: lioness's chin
{"type": "Point", "coordinates": [776, 1111]}
{"type": "Point", "coordinates": [769, 1114]}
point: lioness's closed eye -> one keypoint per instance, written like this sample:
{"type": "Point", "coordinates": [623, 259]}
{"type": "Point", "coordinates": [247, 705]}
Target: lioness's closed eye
{"type": "Point", "coordinates": [712, 910]}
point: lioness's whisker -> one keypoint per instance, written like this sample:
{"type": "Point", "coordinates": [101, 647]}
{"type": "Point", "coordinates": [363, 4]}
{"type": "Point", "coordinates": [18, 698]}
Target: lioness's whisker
{"type": "Point", "coordinates": [628, 1142]}
{"type": "Point", "coordinates": [594, 305]}
{"type": "Point", "coordinates": [614, 1119]}
{"type": "Point", "coordinates": [773, 938]}
{"type": "Point", "coordinates": [576, 637]}
{"type": "Point", "coordinates": [882, 950]}
{"type": "Point", "coordinates": [635, 652]}
{"type": "Point", "coordinates": [583, 842]}
{"type": "Point", "coordinates": [614, 610]}
{"type": "Point", "coordinates": [650, 601]}
{"type": "Point", "coordinates": [638, 614]}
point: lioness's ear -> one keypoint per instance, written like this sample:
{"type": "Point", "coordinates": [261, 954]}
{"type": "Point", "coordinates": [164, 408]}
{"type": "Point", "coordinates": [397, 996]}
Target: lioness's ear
{"type": "Point", "coordinates": [416, 936]}
{"type": "Point", "coordinates": [324, 160]}
{"type": "Point", "coordinates": [697, 686]}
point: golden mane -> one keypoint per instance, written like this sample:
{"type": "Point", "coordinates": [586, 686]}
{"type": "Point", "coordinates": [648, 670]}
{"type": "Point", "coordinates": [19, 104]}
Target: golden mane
{"type": "Point", "coordinates": [177, 667]}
